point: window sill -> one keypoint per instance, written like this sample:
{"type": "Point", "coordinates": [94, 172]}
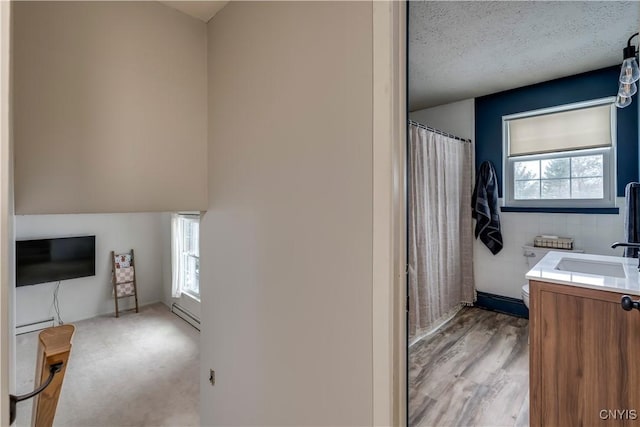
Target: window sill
{"type": "Point", "coordinates": [190, 295]}
{"type": "Point", "coordinates": [600, 211]}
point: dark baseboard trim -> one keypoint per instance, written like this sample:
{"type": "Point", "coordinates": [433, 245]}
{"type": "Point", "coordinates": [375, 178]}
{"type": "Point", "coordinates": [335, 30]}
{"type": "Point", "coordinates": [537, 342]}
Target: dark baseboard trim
{"type": "Point", "coordinates": [600, 211]}
{"type": "Point", "coordinates": [502, 304]}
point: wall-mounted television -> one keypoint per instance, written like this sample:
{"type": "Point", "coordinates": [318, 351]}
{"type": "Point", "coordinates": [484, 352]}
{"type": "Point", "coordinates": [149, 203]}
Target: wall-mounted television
{"type": "Point", "coordinates": [51, 260]}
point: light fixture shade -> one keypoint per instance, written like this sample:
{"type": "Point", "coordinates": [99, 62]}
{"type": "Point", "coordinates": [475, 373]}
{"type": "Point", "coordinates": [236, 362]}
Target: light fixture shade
{"type": "Point", "coordinates": [627, 89]}
{"type": "Point", "coordinates": [629, 72]}
{"type": "Point", "coordinates": [623, 101]}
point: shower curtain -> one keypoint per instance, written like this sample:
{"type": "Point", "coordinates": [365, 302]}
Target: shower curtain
{"type": "Point", "coordinates": [440, 228]}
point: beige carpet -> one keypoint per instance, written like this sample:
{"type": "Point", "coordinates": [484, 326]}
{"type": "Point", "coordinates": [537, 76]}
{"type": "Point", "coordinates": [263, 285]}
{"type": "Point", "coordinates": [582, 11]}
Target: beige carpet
{"type": "Point", "coordinates": [138, 370]}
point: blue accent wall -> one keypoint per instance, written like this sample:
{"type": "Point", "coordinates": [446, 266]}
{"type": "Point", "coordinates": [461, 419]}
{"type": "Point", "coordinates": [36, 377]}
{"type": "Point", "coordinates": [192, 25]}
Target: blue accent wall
{"type": "Point", "coordinates": [581, 87]}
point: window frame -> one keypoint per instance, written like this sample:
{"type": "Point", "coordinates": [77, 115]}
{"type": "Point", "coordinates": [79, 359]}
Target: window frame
{"type": "Point", "coordinates": [609, 172]}
{"type": "Point", "coordinates": [191, 218]}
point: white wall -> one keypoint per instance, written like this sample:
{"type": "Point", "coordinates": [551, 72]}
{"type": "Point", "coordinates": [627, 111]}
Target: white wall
{"type": "Point", "coordinates": [503, 274]}
{"type": "Point", "coordinates": [457, 118]}
{"type": "Point", "coordinates": [165, 223]}
{"type": "Point", "coordinates": [110, 107]}
{"type": "Point", "coordinates": [286, 243]}
{"type": "Point", "coordinates": [91, 296]}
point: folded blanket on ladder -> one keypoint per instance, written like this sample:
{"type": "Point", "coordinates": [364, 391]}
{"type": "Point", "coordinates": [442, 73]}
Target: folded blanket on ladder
{"type": "Point", "coordinates": [484, 203]}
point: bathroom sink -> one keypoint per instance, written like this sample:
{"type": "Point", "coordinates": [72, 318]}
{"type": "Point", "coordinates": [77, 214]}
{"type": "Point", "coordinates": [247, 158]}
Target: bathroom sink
{"type": "Point", "coordinates": [600, 268]}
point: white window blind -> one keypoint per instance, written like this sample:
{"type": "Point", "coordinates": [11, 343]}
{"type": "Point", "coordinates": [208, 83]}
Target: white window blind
{"type": "Point", "coordinates": [576, 129]}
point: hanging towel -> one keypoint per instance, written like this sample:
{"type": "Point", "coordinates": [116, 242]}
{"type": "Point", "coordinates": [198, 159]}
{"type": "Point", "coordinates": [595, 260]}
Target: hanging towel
{"type": "Point", "coordinates": [484, 203]}
{"type": "Point", "coordinates": [632, 218]}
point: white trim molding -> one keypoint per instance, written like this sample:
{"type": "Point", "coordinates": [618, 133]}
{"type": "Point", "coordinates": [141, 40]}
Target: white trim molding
{"type": "Point", "coordinates": [389, 211]}
{"type": "Point", "coordinates": [6, 217]}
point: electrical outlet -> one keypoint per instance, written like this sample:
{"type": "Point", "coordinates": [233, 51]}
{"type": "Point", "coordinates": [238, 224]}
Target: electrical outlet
{"type": "Point", "coordinates": [212, 377]}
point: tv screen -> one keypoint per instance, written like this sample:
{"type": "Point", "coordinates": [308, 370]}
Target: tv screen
{"type": "Point", "coordinates": [51, 260]}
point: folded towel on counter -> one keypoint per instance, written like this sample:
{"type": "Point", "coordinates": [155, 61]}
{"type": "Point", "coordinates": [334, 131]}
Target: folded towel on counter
{"type": "Point", "coordinates": [632, 218]}
{"type": "Point", "coordinates": [484, 203]}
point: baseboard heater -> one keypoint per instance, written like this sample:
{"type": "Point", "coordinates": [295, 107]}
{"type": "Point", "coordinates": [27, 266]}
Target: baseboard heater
{"type": "Point", "coordinates": [34, 326]}
{"type": "Point", "coordinates": [185, 315]}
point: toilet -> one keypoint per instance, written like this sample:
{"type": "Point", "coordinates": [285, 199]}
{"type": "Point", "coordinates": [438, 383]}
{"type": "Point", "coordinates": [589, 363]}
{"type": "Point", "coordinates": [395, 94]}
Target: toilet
{"type": "Point", "coordinates": [525, 295]}
{"type": "Point", "coordinates": [533, 255]}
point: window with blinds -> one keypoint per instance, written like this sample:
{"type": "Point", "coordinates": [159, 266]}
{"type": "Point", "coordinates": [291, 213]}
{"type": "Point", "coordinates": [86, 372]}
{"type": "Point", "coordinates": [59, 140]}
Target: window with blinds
{"type": "Point", "coordinates": [561, 157]}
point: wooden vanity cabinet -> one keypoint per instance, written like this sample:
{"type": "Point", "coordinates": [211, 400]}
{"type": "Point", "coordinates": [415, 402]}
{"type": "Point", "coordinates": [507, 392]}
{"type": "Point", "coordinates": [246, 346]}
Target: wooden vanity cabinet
{"type": "Point", "coordinates": [584, 358]}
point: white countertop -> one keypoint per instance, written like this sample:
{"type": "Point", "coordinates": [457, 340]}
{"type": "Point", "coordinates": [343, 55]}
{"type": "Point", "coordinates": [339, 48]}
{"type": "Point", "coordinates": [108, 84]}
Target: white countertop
{"type": "Point", "coordinates": [545, 271]}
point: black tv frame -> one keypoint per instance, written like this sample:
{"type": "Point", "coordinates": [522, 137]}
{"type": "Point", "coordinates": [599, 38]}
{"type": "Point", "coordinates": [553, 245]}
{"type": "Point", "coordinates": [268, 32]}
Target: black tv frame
{"type": "Point", "coordinates": [54, 271]}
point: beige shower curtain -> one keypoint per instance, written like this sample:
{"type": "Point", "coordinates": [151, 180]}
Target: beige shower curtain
{"type": "Point", "coordinates": [440, 228]}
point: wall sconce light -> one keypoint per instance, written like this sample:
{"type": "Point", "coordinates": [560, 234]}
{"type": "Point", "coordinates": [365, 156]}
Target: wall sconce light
{"type": "Point", "coordinates": [629, 75]}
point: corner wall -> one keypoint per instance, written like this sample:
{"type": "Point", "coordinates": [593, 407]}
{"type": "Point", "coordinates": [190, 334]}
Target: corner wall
{"type": "Point", "coordinates": [503, 274]}
{"type": "Point", "coordinates": [592, 233]}
{"type": "Point", "coordinates": [457, 118]}
{"type": "Point", "coordinates": [580, 87]}
{"type": "Point", "coordinates": [88, 297]}
{"type": "Point", "coordinates": [286, 243]}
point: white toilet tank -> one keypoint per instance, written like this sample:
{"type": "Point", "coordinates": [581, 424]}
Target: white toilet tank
{"type": "Point", "coordinates": [534, 254]}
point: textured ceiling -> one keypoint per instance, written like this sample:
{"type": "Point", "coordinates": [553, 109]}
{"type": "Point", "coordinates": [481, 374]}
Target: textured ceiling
{"type": "Point", "coordinates": [203, 9]}
{"type": "Point", "coordinates": [460, 50]}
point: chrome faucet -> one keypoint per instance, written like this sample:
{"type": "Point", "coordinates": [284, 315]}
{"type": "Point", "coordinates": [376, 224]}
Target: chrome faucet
{"type": "Point", "coordinates": [628, 245]}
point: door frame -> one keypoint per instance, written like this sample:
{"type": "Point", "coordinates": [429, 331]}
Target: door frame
{"type": "Point", "coordinates": [6, 216]}
{"type": "Point", "coordinates": [389, 213]}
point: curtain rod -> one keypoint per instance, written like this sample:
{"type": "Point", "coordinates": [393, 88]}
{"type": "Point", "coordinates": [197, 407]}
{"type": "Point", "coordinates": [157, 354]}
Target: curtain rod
{"type": "Point", "coordinates": [429, 128]}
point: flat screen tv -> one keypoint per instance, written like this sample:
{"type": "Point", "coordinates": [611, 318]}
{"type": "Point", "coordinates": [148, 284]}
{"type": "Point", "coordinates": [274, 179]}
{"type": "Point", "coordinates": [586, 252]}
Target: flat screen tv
{"type": "Point", "coordinates": [51, 260]}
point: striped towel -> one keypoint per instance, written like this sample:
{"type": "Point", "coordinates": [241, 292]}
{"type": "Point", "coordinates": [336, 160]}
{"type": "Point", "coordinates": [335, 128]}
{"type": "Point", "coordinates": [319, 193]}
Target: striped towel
{"type": "Point", "coordinates": [484, 204]}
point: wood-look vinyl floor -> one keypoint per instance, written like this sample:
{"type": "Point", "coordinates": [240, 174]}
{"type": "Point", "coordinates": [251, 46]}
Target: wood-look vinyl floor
{"type": "Point", "coordinates": [473, 372]}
